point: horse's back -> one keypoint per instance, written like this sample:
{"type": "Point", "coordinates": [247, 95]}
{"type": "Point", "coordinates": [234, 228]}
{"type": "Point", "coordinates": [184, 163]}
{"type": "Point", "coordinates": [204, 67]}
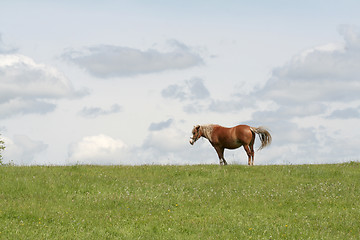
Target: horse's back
{"type": "Point", "coordinates": [231, 137]}
{"type": "Point", "coordinates": [239, 129]}
{"type": "Point", "coordinates": [242, 127]}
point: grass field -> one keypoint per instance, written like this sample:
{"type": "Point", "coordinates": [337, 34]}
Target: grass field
{"type": "Point", "coordinates": [180, 202]}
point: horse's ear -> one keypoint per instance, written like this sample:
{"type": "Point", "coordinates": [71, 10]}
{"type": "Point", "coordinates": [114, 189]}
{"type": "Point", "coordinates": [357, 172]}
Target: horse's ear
{"type": "Point", "coordinates": [197, 127]}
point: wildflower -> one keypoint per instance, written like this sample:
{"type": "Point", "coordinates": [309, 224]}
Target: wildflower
{"type": "Point", "coordinates": [250, 229]}
{"type": "Point", "coordinates": [168, 210]}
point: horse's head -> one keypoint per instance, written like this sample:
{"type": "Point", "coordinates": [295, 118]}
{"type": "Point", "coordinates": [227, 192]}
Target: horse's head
{"type": "Point", "coordinates": [196, 134]}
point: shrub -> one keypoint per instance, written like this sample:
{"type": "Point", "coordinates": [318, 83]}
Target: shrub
{"type": "Point", "coordinates": [2, 148]}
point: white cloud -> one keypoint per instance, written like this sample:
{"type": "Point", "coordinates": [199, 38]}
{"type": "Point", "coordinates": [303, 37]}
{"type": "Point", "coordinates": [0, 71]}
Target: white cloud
{"type": "Point", "coordinates": [105, 61]}
{"type": "Point", "coordinates": [321, 74]}
{"type": "Point", "coordinates": [300, 91]}
{"type": "Point", "coordinates": [25, 86]}
{"type": "Point", "coordinates": [21, 106]}
{"type": "Point", "coordinates": [4, 49]}
{"type": "Point", "coordinates": [304, 86]}
{"type": "Point", "coordinates": [22, 77]}
{"type": "Point", "coordinates": [192, 93]}
{"type": "Point", "coordinates": [309, 103]}
{"type": "Point", "coordinates": [222, 106]}
{"type": "Point", "coordinates": [171, 146]}
{"type": "Point", "coordinates": [284, 112]}
{"type": "Point", "coordinates": [304, 90]}
{"type": "Point", "coordinates": [93, 112]}
{"type": "Point", "coordinates": [167, 140]}
{"type": "Point", "coordinates": [324, 74]}
{"type": "Point", "coordinates": [192, 89]}
{"type": "Point", "coordinates": [21, 150]}
{"type": "Point", "coordinates": [351, 35]}
{"type": "Point", "coordinates": [346, 113]}
{"type": "Point", "coordinates": [99, 149]}
{"type": "Point", "coordinates": [174, 91]}
{"type": "Point", "coordinates": [160, 125]}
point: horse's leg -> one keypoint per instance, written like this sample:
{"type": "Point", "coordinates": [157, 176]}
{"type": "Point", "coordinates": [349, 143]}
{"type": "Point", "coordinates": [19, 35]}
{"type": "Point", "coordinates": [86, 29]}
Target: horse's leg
{"type": "Point", "coordinates": [225, 162]}
{"type": "Point", "coordinates": [252, 153]}
{"type": "Point", "coordinates": [248, 152]}
{"type": "Point", "coordinates": [220, 152]}
{"type": "Point", "coordinates": [252, 148]}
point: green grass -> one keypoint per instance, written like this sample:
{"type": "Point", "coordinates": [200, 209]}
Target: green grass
{"type": "Point", "coordinates": [180, 202]}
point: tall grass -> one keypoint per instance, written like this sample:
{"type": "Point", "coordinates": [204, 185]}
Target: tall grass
{"type": "Point", "coordinates": [180, 202]}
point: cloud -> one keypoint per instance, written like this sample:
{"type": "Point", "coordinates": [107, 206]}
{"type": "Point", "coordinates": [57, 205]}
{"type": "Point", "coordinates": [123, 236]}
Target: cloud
{"type": "Point", "coordinates": [174, 91]}
{"type": "Point", "coordinates": [165, 140]}
{"type": "Point", "coordinates": [286, 112]}
{"type": "Point", "coordinates": [93, 112]}
{"type": "Point", "coordinates": [295, 102]}
{"type": "Point", "coordinates": [196, 98]}
{"type": "Point", "coordinates": [194, 108]}
{"type": "Point", "coordinates": [4, 49]}
{"type": "Point", "coordinates": [165, 146]}
{"type": "Point", "coordinates": [191, 93]}
{"type": "Point", "coordinates": [20, 106]}
{"type": "Point", "coordinates": [346, 113]}
{"type": "Point", "coordinates": [328, 73]}
{"type": "Point", "coordinates": [192, 89]}
{"type": "Point", "coordinates": [351, 35]}
{"type": "Point", "coordinates": [25, 86]}
{"type": "Point", "coordinates": [106, 61]}
{"type": "Point", "coordinates": [302, 91]}
{"type": "Point", "coordinates": [171, 146]}
{"type": "Point", "coordinates": [197, 89]}
{"type": "Point", "coordinates": [304, 86]}
{"type": "Point", "coordinates": [222, 106]}
{"type": "Point", "coordinates": [160, 125]}
{"type": "Point", "coordinates": [21, 150]}
{"type": "Point", "coordinates": [100, 149]}
{"type": "Point", "coordinates": [285, 131]}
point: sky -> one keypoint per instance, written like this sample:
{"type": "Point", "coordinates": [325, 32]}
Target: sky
{"type": "Point", "coordinates": [124, 82]}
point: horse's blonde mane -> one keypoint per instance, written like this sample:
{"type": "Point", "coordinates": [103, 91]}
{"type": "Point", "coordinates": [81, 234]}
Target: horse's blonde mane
{"type": "Point", "coordinates": [207, 130]}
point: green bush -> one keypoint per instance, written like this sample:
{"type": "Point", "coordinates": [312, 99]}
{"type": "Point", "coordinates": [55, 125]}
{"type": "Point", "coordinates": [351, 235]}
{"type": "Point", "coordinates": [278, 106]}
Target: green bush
{"type": "Point", "coordinates": [2, 148]}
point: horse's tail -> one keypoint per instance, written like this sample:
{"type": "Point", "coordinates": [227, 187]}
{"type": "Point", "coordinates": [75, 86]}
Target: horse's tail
{"type": "Point", "coordinates": [264, 136]}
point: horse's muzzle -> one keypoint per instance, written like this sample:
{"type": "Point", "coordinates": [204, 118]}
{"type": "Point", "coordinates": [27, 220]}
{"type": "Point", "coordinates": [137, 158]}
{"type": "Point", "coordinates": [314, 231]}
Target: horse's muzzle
{"type": "Point", "coordinates": [191, 141]}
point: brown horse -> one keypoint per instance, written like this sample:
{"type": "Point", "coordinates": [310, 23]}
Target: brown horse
{"type": "Point", "coordinates": [231, 138]}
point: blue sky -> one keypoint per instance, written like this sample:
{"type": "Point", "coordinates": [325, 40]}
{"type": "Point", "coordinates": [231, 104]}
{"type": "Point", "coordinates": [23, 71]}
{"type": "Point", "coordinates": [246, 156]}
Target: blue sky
{"type": "Point", "coordinates": [123, 82]}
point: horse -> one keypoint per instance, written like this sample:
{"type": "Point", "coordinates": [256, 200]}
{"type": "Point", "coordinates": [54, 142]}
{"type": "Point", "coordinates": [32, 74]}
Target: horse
{"type": "Point", "coordinates": [232, 138]}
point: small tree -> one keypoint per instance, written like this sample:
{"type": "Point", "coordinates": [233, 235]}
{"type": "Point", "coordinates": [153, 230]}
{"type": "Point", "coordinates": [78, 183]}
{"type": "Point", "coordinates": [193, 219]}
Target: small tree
{"type": "Point", "coordinates": [2, 147]}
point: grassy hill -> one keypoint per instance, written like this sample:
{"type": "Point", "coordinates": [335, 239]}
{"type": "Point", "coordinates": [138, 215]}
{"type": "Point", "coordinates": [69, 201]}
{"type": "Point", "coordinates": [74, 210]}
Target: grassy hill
{"type": "Point", "coordinates": [180, 202]}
